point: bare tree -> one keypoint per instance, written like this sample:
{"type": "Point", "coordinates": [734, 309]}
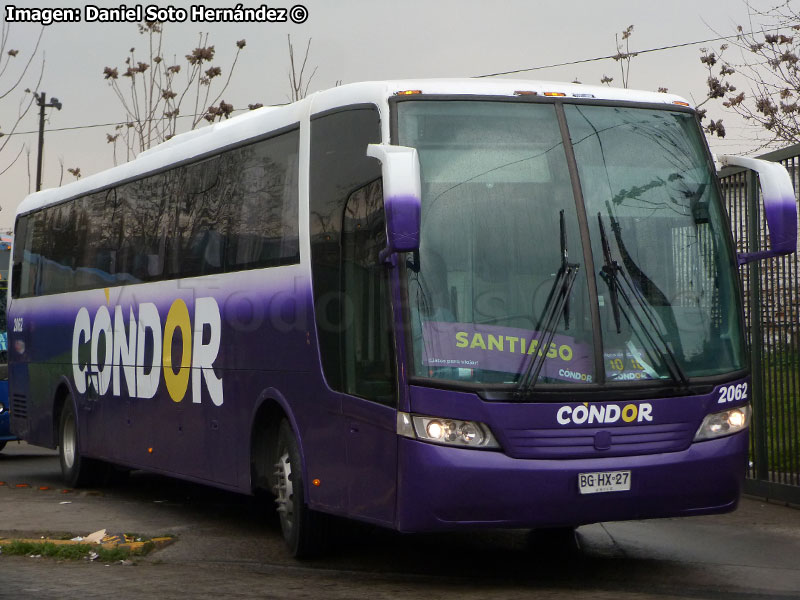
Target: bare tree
{"type": "Point", "coordinates": [154, 93]}
{"type": "Point", "coordinates": [299, 86]}
{"type": "Point", "coordinates": [765, 65]}
{"type": "Point", "coordinates": [624, 56]}
{"type": "Point", "coordinates": [14, 69]}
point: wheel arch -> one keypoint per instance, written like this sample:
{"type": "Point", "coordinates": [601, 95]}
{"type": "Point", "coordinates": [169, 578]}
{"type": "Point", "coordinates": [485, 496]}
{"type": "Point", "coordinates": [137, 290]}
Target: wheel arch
{"type": "Point", "coordinates": [62, 390]}
{"type": "Point", "coordinates": [269, 410]}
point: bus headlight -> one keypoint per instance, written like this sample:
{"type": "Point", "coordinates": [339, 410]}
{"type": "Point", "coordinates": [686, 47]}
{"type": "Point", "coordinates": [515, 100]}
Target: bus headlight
{"type": "Point", "coordinates": [723, 423]}
{"type": "Point", "coordinates": [450, 432]}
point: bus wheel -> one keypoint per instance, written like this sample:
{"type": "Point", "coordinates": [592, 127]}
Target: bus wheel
{"type": "Point", "coordinates": [76, 470]}
{"type": "Point", "coordinates": [302, 528]}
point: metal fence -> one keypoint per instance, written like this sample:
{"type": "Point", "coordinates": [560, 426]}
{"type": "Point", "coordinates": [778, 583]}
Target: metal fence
{"type": "Point", "coordinates": [772, 312]}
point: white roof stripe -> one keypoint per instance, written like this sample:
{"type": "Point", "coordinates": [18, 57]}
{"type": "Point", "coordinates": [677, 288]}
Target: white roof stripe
{"type": "Point", "coordinates": [261, 121]}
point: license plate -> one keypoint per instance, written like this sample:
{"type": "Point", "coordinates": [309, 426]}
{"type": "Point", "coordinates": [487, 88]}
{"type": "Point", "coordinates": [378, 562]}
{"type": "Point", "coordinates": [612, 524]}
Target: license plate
{"type": "Point", "coordinates": [604, 481]}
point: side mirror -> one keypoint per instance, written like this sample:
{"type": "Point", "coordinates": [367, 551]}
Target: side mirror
{"type": "Point", "coordinates": [780, 206]}
{"type": "Point", "coordinates": [402, 196]}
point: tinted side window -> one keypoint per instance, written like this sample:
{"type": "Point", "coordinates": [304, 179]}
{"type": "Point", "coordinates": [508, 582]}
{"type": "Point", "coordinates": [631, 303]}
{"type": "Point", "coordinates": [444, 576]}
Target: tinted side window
{"type": "Point", "coordinates": [236, 210]}
{"type": "Point", "coordinates": [262, 178]}
{"type": "Point", "coordinates": [58, 262]}
{"type": "Point", "coordinates": [20, 284]}
{"type": "Point", "coordinates": [339, 166]}
{"type": "Point", "coordinates": [367, 332]}
{"type": "Point", "coordinates": [197, 245]}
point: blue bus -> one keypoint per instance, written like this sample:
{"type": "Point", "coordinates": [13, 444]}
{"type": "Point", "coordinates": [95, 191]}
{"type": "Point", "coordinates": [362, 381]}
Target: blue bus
{"type": "Point", "coordinates": [5, 261]}
{"type": "Point", "coordinates": [427, 305]}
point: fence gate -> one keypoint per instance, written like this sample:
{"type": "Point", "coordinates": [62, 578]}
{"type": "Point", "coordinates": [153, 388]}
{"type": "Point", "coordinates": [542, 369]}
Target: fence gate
{"type": "Point", "coordinates": [772, 312]}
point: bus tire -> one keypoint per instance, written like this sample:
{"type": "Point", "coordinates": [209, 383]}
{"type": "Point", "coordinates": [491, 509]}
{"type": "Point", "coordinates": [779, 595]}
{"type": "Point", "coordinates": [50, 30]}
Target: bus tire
{"type": "Point", "coordinates": [76, 470]}
{"type": "Point", "coordinates": [303, 529]}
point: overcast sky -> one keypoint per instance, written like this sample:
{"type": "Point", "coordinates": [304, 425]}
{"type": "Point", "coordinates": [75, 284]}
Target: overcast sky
{"type": "Point", "coordinates": [358, 40]}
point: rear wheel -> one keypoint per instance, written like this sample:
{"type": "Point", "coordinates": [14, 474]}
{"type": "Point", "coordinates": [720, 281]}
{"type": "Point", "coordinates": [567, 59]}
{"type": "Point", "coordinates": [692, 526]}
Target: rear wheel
{"type": "Point", "coordinates": [303, 529]}
{"type": "Point", "coordinates": [77, 470]}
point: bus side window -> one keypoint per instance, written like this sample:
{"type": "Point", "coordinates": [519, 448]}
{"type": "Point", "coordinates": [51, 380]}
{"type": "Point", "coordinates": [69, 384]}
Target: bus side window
{"type": "Point", "coordinates": [19, 274]}
{"type": "Point", "coordinates": [263, 226]}
{"type": "Point", "coordinates": [367, 337]}
{"type": "Point", "coordinates": [194, 247]}
{"type": "Point", "coordinates": [339, 166]}
{"type": "Point", "coordinates": [148, 220]}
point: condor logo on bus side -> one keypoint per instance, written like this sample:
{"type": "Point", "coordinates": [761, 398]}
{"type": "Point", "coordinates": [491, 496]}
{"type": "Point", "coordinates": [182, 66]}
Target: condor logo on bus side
{"type": "Point", "coordinates": [605, 413]}
{"type": "Point", "coordinates": [124, 353]}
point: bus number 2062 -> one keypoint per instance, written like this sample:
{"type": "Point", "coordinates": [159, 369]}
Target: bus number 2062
{"type": "Point", "coordinates": [732, 393]}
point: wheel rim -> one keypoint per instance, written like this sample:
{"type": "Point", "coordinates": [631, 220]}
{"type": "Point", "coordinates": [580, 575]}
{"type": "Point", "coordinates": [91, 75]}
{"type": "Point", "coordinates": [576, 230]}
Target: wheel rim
{"type": "Point", "coordinates": [284, 490]}
{"type": "Point", "coordinates": [68, 439]}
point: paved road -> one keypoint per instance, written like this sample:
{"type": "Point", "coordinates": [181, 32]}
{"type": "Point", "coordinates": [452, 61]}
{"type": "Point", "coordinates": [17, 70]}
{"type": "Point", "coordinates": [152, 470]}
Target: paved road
{"type": "Point", "coordinates": [229, 546]}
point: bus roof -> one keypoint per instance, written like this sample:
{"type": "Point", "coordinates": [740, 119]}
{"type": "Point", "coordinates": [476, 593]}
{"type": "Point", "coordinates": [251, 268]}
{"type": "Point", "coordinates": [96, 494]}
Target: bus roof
{"type": "Point", "coordinates": [261, 121]}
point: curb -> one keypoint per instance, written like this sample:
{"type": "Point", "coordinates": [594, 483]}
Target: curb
{"type": "Point", "coordinates": [133, 547]}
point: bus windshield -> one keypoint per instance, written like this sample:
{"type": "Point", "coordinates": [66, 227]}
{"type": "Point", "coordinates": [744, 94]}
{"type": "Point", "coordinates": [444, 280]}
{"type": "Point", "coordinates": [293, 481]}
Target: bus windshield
{"type": "Point", "coordinates": [503, 290]}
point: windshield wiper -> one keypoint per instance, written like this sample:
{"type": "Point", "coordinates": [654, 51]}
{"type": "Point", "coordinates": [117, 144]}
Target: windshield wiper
{"type": "Point", "coordinates": [613, 274]}
{"type": "Point", "coordinates": [565, 266]}
{"type": "Point", "coordinates": [557, 305]}
{"type": "Point", "coordinates": [609, 274]}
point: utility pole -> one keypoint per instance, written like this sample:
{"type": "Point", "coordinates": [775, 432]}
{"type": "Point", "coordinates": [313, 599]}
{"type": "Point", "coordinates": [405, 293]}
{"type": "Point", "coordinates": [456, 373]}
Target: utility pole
{"type": "Point", "coordinates": [42, 103]}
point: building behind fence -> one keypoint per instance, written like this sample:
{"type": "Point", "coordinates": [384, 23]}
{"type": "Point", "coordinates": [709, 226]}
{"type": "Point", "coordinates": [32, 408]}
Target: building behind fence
{"type": "Point", "coordinates": [772, 313]}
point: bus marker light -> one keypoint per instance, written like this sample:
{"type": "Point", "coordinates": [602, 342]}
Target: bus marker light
{"type": "Point", "coordinates": [679, 103]}
{"type": "Point", "coordinates": [316, 482]}
{"type": "Point", "coordinates": [583, 95]}
{"type": "Point", "coordinates": [407, 92]}
{"type": "Point", "coordinates": [526, 93]}
{"type": "Point", "coordinates": [149, 450]}
{"type": "Point", "coordinates": [404, 426]}
{"type": "Point", "coordinates": [554, 94]}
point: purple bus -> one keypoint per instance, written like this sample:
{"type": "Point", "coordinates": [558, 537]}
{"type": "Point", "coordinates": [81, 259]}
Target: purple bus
{"type": "Point", "coordinates": [427, 305]}
{"type": "Point", "coordinates": [5, 261]}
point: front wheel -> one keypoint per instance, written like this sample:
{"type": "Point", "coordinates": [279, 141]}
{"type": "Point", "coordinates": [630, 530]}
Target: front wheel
{"type": "Point", "coordinates": [303, 528]}
{"type": "Point", "coordinates": [77, 470]}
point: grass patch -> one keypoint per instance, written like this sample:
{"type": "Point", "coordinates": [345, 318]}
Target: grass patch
{"type": "Point", "coordinates": [781, 380]}
{"type": "Point", "coordinates": [48, 549]}
{"type": "Point", "coordinates": [75, 551]}
{"type": "Point", "coordinates": [64, 551]}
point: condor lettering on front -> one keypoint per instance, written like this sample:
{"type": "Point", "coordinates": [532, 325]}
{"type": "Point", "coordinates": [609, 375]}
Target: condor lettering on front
{"type": "Point", "coordinates": [118, 350]}
{"type": "Point", "coordinates": [605, 414]}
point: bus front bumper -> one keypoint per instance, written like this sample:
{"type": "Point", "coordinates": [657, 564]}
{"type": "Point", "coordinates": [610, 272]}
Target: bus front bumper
{"type": "Point", "coordinates": [442, 488]}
